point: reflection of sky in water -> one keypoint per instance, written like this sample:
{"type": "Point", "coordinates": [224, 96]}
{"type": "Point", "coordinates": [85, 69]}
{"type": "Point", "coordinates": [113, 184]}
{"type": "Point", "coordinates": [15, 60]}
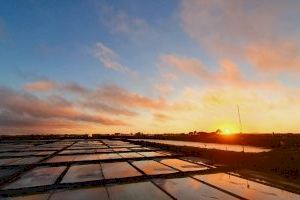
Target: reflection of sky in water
{"type": "Point", "coordinates": [152, 167]}
{"type": "Point", "coordinates": [151, 154]}
{"type": "Point", "coordinates": [81, 194]}
{"type": "Point", "coordinates": [80, 173]}
{"type": "Point", "coordinates": [188, 188]}
{"type": "Point", "coordinates": [136, 191]}
{"type": "Point", "coordinates": [131, 155]}
{"type": "Point", "coordinates": [225, 147]}
{"type": "Point", "coordinates": [182, 165]}
{"type": "Point", "coordinates": [246, 188]}
{"type": "Point", "coordinates": [118, 170]}
{"type": "Point", "coordinates": [37, 177]}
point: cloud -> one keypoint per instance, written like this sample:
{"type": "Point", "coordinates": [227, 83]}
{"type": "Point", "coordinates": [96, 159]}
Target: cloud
{"type": "Point", "coordinates": [46, 85]}
{"type": "Point", "coordinates": [120, 22]}
{"type": "Point", "coordinates": [13, 124]}
{"type": "Point", "coordinates": [100, 106]}
{"type": "Point", "coordinates": [163, 88]}
{"type": "Point", "coordinates": [27, 105]}
{"type": "Point", "coordinates": [111, 99]}
{"type": "Point", "coordinates": [275, 56]}
{"type": "Point", "coordinates": [110, 59]}
{"type": "Point", "coordinates": [188, 65]}
{"type": "Point", "coordinates": [162, 117]}
{"type": "Point", "coordinates": [116, 94]}
{"type": "Point", "coordinates": [264, 34]}
{"type": "Point", "coordinates": [169, 76]}
{"type": "Point", "coordinates": [40, 86]}
{"type": "Point", "coordinates": [227, 73]}
{"type": "Point", "coordinates": [11, 120]}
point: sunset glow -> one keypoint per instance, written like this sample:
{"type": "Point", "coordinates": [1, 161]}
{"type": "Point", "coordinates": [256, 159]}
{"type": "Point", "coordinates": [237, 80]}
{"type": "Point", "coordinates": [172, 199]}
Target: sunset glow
{"type": "Point", "coordinates": [106, 67]}
{"type": "Point", "coordinates": [141, 99]}
{"type": "Point", "coordinates": [227, 131]}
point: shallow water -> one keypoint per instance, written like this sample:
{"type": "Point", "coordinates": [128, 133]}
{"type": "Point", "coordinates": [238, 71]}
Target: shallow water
{"type": "Point", "coordinates": [188, 188]}
{"type": "Point", "coordinates": [30, 197]}
{"type": "Point", "coordinates": [224, 147]}
{"type": "Point", "coordinates": [57, 159]}
{"type": "Point", "coordinates": [118, 170]}
{"type": "Point", "coordinates": [152, 167]}
{"type": "Point", "coordinates": [81, 173]}
{"type": "Point", "coordinates": [130, 155]}
{"type": "Point", "coordinates": [81, 194]}
{"type": "Point", "coordinates": [151, 154]}
{"type": "Point", "coordinates": [182, 165]}
{"type": "Point", "coordinates": [37, 177]}
{"type": "Point", "coordinates": [136, 191]}
{"type": "Point", "coordinates": [245, 188]}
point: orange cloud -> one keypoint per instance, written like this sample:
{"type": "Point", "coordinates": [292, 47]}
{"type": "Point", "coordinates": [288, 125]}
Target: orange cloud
{"type": "Point", "coordinates": [163, 88]}
{"type": "Point", "coordinates": [162, 117]}
{"type": "Point", "coordinates": [42, 85]}
{"type": "Point", "coordinates": [263, 33]}
{"type": "Point", "coordinates": [187, 65]}
{"type": "Point", "coordinates": [124, 97]}
{"type": "Point", "coordinates": [49, 85]}
{"type": "Point", "coordinates": [275, 56]}
{"type": "Point", "coordinates": [109, 98]}
{"type": "Point", "coordinates": [24, 104]}
{"type": "Point", "coordinates": [202, 107]}
{"type": "Point", "coordinates": [100, 106]}
{"type": "Point", "coordinates": [11, 123]}
{"type": "Point", "coordinates": [228, 72]}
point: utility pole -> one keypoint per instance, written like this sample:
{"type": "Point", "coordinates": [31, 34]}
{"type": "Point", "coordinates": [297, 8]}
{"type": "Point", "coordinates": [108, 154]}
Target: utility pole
{"type": "Point", "coordinates": [240, 122]}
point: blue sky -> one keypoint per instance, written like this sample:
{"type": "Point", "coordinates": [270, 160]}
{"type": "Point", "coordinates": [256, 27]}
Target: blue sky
{"type": "Point", "coordinates": [54, 39]}
{"type": "Point", "coordinates": [177, 65]}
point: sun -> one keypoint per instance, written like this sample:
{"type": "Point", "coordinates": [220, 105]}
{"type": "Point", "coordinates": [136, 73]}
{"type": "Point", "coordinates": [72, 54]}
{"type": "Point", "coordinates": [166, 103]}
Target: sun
{"type": "Point", "coordinates": [227, 131]}
{"type": "Point", "coordinates": [228, 128]}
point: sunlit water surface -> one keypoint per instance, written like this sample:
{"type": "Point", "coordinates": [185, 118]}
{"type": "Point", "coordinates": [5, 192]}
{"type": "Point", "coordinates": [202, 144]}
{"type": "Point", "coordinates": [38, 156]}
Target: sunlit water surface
{"type": "Point", "coordinates": [224, 147]}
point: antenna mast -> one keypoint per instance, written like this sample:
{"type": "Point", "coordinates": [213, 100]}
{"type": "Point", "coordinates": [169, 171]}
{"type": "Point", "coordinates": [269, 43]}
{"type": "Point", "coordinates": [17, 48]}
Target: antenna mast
{"type": "Point", "coordinates": [241, 128]}
{"type": "Point", "coordinates": [240, 121]}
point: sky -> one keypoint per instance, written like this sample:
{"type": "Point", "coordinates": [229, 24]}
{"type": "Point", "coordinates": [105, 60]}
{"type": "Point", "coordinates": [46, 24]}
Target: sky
{"type": "Point", "coordinates": [172, 66]}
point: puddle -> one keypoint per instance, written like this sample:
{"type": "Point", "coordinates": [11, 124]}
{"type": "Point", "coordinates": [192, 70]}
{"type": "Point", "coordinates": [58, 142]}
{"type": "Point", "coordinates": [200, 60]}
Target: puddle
{"type": "Point", "coordinates": [245, 188]}
{"type": "Point", "coordinates": [188, 188]}
{"type": "Point", "coordinates": [37, 177]}
{"type": "Point", "coordinates": [151, 154]}
{"type": "Point", "coordinates": [108, 156]}
{"type": "Point", "coordinates": [152, 167]}
{"type": "Point", "coordinates": [118, 170]}
{"type": "Point", "coordinates": [86, 157]}
{"type": "Point", "coordinates": [82, 194]}
{"type": "Point", "coordinates": [30, 197]}
{"type": "Point", "coordinates": [182, 165]}
{"type": "Point", "coordinates": [81, 173]}
{"type": "Point", "coordinates": [8, 161]}
{"type": "Point", "coordinates": [28, 160]}
{"type": "Point", "coordinates": [136, 191]}
{"type": "Point", "coordinates": [130, 155]}
{"type": "Point", "coordinates": [57, 159]}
